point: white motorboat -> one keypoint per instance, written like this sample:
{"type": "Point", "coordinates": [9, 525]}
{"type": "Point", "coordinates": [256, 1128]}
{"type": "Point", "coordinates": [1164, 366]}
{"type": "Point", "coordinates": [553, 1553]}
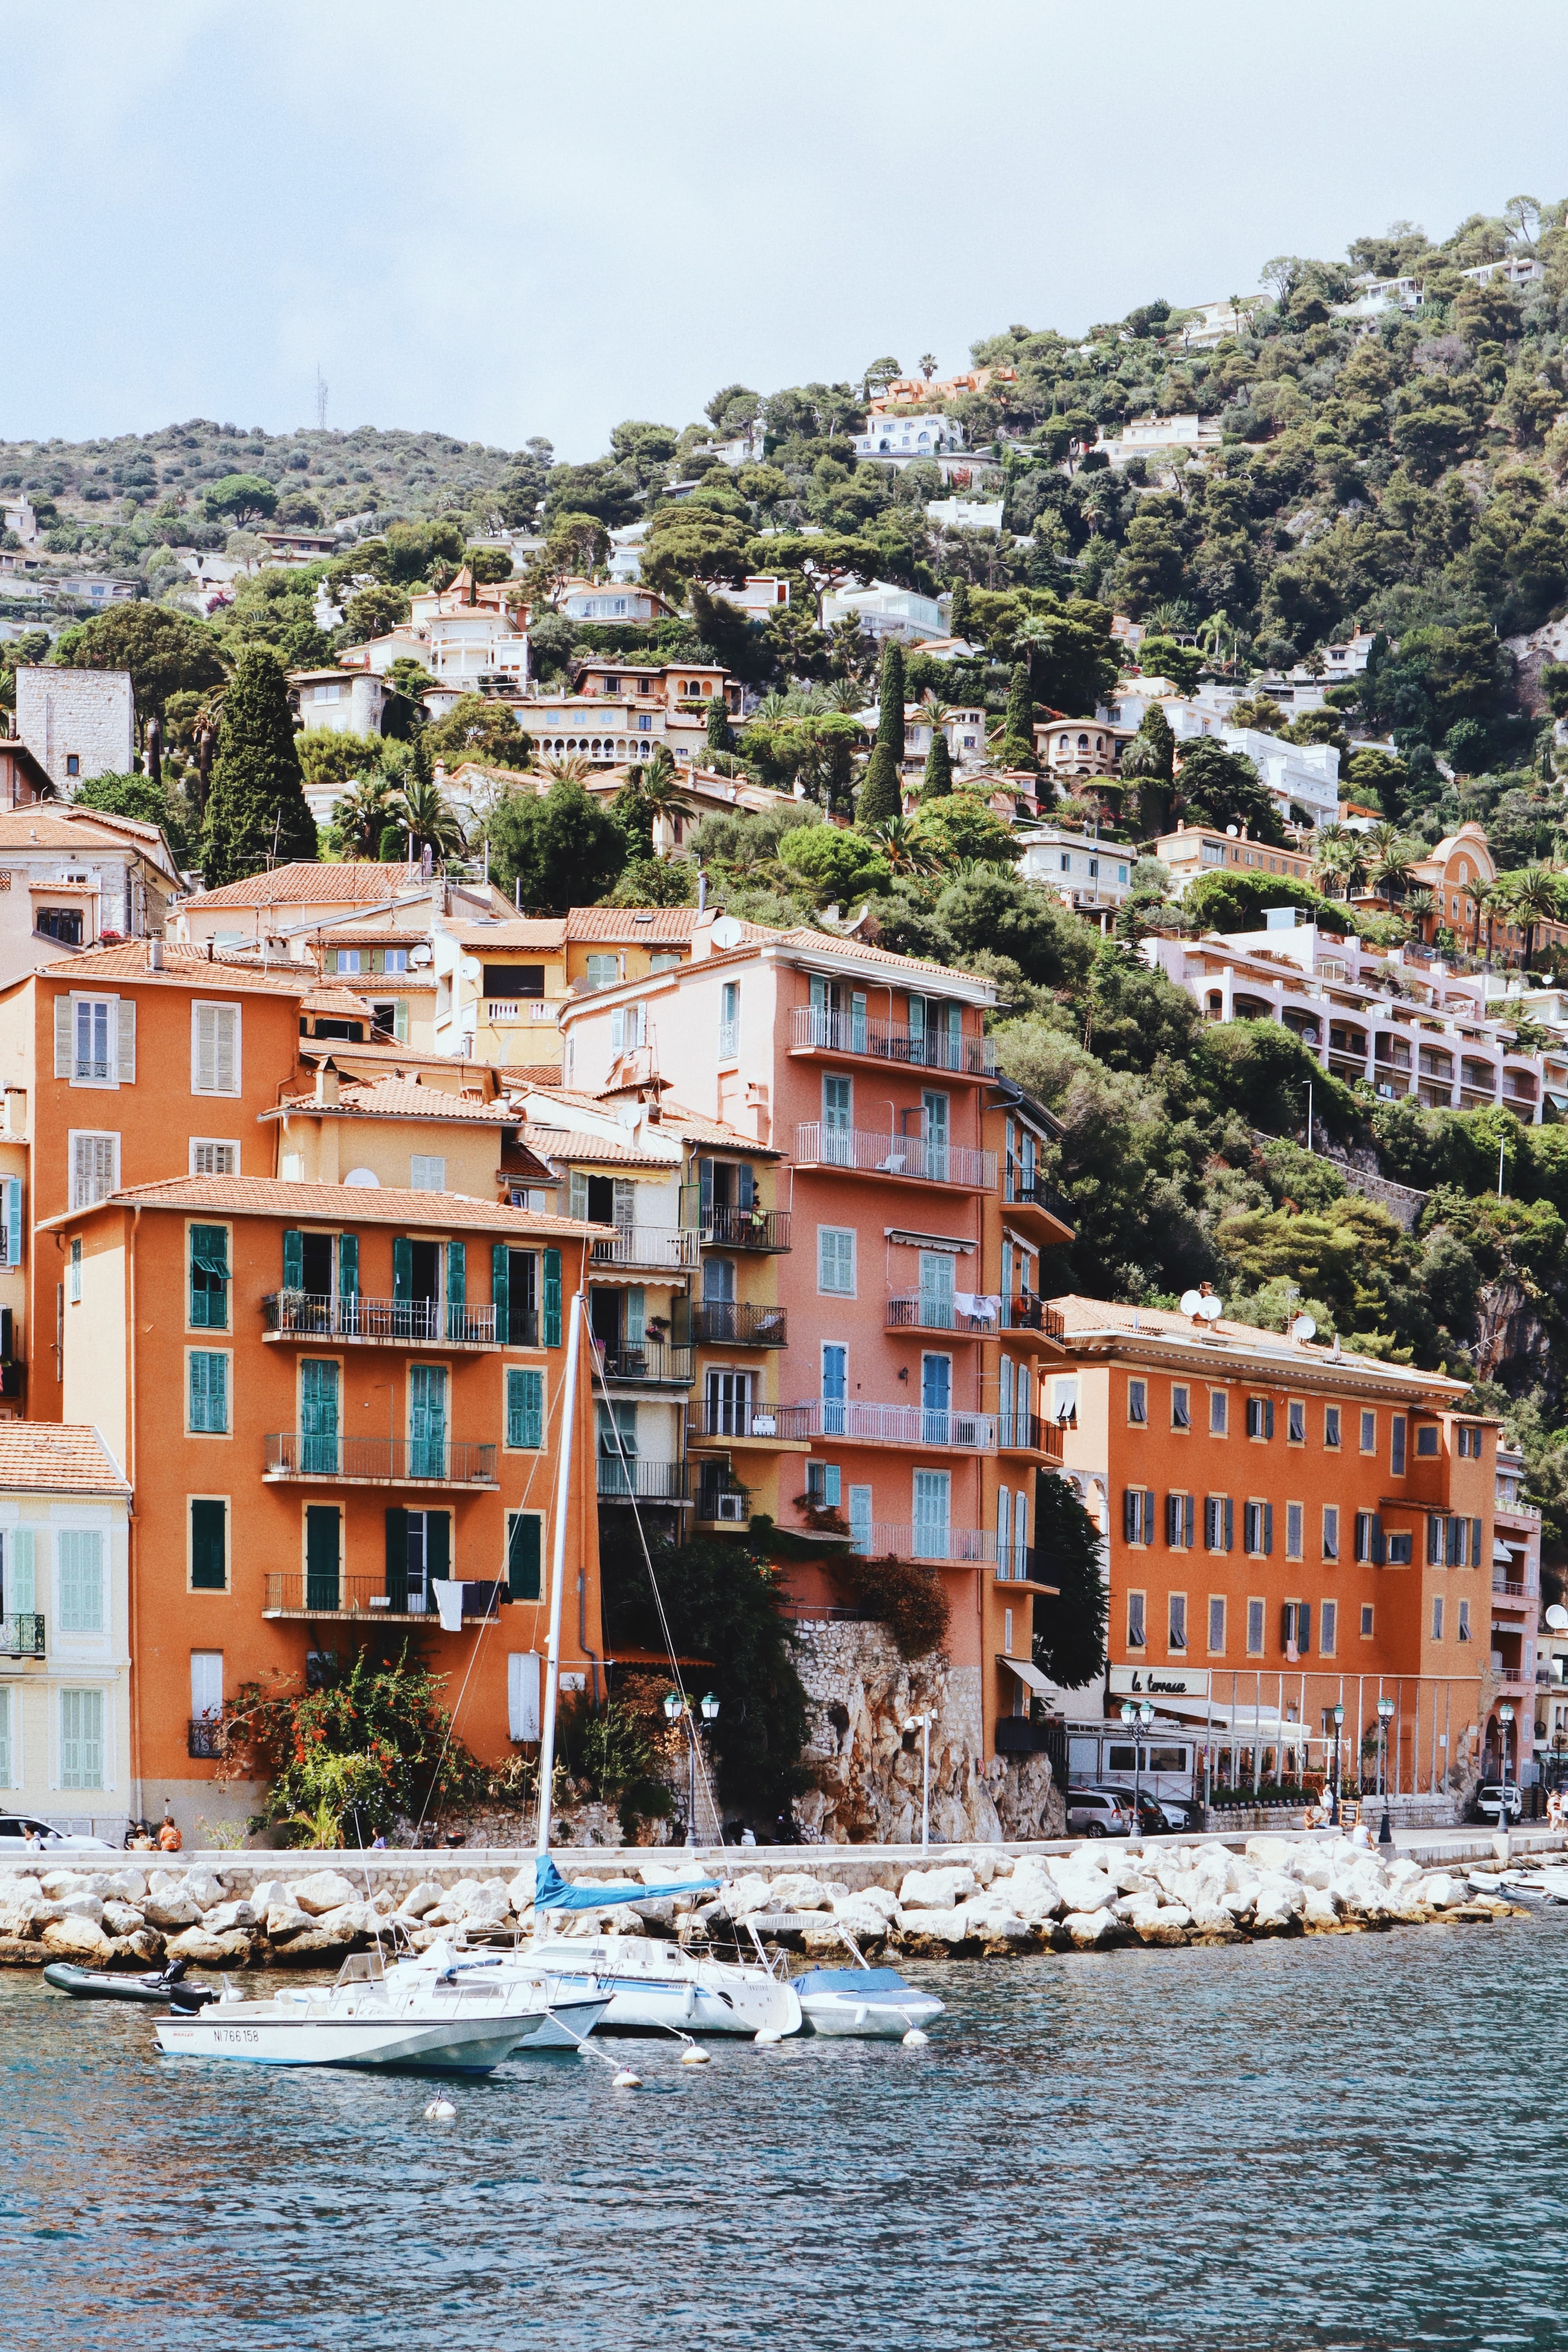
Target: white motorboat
{"type": "Point", "coordinates": [873, 2004]}
{"type": "Point", "coordinates": [648, 1985]}
{"type": "Point", "coordinates": [371, 2018]}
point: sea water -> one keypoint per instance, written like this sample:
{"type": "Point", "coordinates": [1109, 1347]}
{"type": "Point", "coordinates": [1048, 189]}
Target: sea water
{"type": "Point", "coordinates": [1352, 2141]}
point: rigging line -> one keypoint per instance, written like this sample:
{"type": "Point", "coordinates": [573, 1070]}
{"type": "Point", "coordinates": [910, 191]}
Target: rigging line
{"type": "Point", "coordinates": [486, 1623]}
{"type": "Point", "coordinates": [658, 1596]}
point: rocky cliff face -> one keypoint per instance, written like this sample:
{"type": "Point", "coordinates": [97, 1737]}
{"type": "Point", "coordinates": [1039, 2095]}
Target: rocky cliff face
{"type": "Point", "coordinates": [867, 1770]}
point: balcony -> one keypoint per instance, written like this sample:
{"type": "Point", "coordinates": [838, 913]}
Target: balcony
{"type": "Point", "coordinates": [309, 1594]}
{"type": "Point", "coordinates": [743, 1423]}
{"type": "Point", "coordinates": [911, 1159]}
{"type": "Point", "coordinates": [818, 1032]}
{"type": "Point", "coordinates": [1028, 1432]}
{"type": "Point", "coordinates": [723, 1504]}
{"type": "Point", "coordinates": [1021, 1192]}
{"type": "Point", "coordinates": [383, 1322]}
{"type": "Point", "coordinates": [633, 1480]}
{"type": "Point", "coordinates": [897, 1424]}
{"type": "Point", "coordinates": [380, 1461]}
{"type": "Point", "coordinates": [766, 1230]}
{"type": "Point", "coordinates": [1024, 1311]}
{"type": "Point", "coordinates": [653, 1364]}
{"type": "Point", "coordinates": [1504, 1589]}
{"type": "Point", "coordinates": [673, 1249]}
{"type": "Point", "coordinates": [935, 1546]}
{"type": "Point", "coordinates": [923, 1311]}
{"type": "Point", "coordinates": [22, 1634]}
{"type": "Point", "coordinates": [206, 1738]}
{"type": "Point", "coordinates": [729, 1323]}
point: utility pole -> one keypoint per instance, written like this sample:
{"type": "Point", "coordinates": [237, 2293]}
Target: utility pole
{"type": "Point", "coordinates": [320, 399]}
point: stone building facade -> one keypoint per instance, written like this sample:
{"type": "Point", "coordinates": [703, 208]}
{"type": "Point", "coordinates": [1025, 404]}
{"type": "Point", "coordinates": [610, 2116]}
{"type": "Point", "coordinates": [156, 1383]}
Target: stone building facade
{"type": "Point", "coordinates": [79, 722]}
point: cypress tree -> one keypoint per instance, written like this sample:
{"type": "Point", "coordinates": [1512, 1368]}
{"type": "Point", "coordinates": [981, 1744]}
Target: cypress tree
{"type": "Point", "coordinates": [718, 736]}
{"type": "Point", "coordinates": [1018, 741]}
{"type": "Point", "coordinates": [880, 796]}
{"type": "Point", "coordinates": [256, 813]}
{"type": "Point", "coordinates": [958, 618]}
{"type": "Point", "coordinates": [890, 701]}
{"type": "Point", "coordinates": [938, 778]}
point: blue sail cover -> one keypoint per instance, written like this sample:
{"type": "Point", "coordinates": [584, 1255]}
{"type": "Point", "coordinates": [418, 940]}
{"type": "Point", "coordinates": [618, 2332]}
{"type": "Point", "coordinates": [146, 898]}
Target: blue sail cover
{"type": "Point", "coordinates": [553, 1893]}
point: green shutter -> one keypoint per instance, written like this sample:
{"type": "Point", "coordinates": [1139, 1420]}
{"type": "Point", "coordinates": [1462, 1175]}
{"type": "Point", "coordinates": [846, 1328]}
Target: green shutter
{"type": "Point", "coordinates": [397, 1559]}
{"type": "Point", "coordinates": [293, 1261]}
{"type": "Point", "coordinates": [501, 1291]}
{"type": "Point", "coordinates": [457, 1273]}
{"type": "Point", "coordinates": [348, 1265]}
{"type": "Point", "coordinates": [319, 1415]}
{"type": "Point", "coordinates": [437, 1544]}
{"type": "Point", "coordinates": [208, 1568]}
{"type": "Point", "coordinates": [403, 1267]}
{"type": "Point", "coordinates": [210, 1278]}
{"type": "Point", "coordinates": [208, 1393]}
{"type": "Point", "coordinates": [523, 1556]}
{"type": "Point", "coordinates": [578, 1192]}
{"type": "Point", "coordinates": [551, 1299]}
{"type": "Point", "coordinates": [524, 1408]}
{"type": "Point", "coordinates": [322, 1554]}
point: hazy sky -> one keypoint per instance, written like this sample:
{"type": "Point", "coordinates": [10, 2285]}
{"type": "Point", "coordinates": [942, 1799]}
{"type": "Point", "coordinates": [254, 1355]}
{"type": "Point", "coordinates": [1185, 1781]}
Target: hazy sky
{"type": "Point", "coordinates": [503, 218]}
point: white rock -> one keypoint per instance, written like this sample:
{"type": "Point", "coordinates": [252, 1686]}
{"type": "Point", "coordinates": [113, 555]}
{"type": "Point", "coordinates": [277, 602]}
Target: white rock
{"type": "Point", "coordinates": [128, 1886]}
{"type": "Point", "coordinates": [994, 1918]}
{"type": "Point", "coordinates": [1319, 1909]}
{"type": "Point", "coordinates": [324, 1891]}
{"type": "Point", "coordinates": [1279, 1901]}
{"type": "Point", "coordinates": [520, 1894]}
{"type": "Point", "coordinates": [1082, 1886]}
{"type": "Point", "coordinates": [1169, 1923]}
{"type": "Point", "coordinates": [81, 1905]}
{"type": "Point", "coordinates": [1032, 1890]}
{"type": "Point", "coordinates": [205, 1888]}
{"type": "Point", "coordinates": [61, 1884]}
{"type": "Point", "coordinates": [875, 1899]}
{"type": "Point", "coordinates": [986, 1866]}
{"type": "Point", "coordinates": [121, 1918]}
{"type": "Point", "coordinates": [1442, 1891]}
{"type": "Point", "coordinates": [486, 1906]}
{"type": "Point", "coordinates": [746, 1894]}
{"type": "Point", "coordinates": [943, 1927]}
{"type": "Point", "coordinates": [222, 1918]}
{"type": "Point", "coordinates": [861, 1915]}
{"type": "Point", "coordinates": [79, 1936]}
{"type": "Point", "coordinates": [1272, 1853]}
{"type": "Point", "coordinates": [173, 1909]}
{"type": "Point", "coordinates": [936, 1890]}
{"type": "Point", "coordinates": [799, 1890]}
{"type": "Point", "coordinates": [285, 1919]}
{"type": "Point", "coordinates": [1402, 1873]}
{"type": "Point", "coordinates": [1087, 1929]}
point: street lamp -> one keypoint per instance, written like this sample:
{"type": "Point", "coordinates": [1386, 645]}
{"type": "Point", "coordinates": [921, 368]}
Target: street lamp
{"type": "Point", "coordinates": [1504, 1717]}
{"type": "Point", "coordinates": [1137, 1721]}
{"type": "Point", "coordinates": [1339, 1756]}
{"type": "Point", "coordinates": [922, 1723]}
{"type": "Point", "coordinates": [678, 1709]}
{"type": "Point", "coordinates": [1384, 1716]}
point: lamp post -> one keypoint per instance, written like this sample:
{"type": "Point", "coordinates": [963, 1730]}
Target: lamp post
{"type": "Point", "coordinates": [1137, 1721]}
{"type": "Point", "coordinates": [1505, 1717]}
{"type": "Point", "coordinates": [922, 1723]}
{"type": "Point", "coordinates": [1338, 1758]}
{"type": "Point", "coordinates": [679, 1710]}
{"type": "Point", "coordinates": [1384, 1716]}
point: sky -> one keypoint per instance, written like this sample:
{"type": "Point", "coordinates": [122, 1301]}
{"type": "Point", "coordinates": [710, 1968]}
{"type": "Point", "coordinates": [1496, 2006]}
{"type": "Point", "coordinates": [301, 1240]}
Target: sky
{"type": "Point", "coordinates": [503, 218]}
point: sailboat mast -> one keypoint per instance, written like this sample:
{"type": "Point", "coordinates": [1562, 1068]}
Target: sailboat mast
{"type": "Point", "coordinates": [558, 1576]}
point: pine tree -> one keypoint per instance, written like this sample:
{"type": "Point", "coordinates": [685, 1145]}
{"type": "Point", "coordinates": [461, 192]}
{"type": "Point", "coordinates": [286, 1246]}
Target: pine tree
{"type": "Point", "coordinates": [718, 736]}
{"type": "Point", "coordinates": [890, 701]}
{"type": "Point", "coordinates": [880, 795]}
{"type": "Point", "coordinates": [937, 781]}
{"type": "Point", "coordinates": [958, 618]}
{"type": "Point", "coordinates": [257, 813]}
{"type": "Point", "coordinates": [1018, 743]}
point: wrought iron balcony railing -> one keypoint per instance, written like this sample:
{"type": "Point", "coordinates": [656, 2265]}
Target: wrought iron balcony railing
{"type": "Point", "coordinates": [381, 1461]}
{"type": "Point", "coordinates": [635, 1480]}
{"type": "Point", "coordinates": [673, 1246]}
{"type": "Point", "coordinates": [922, 1311]}
{"type": "Point", "coordinates": [316, 1315]}
{"type": "Point", "coordinates": [332, 1592]}
{"type": "Point", "coordinates": [918, 1049]}
{"type": "Point", "coordinates": [731, 1323]}
{"type": "Point", "coordinates": [721, 1227]}
{"type": "Point", "coordinates": [206, 1736]}
{"type": "Point", "coordinates": [1023, 1312]}
{"type": "Point", "coordinates": [653, 1363]}
{"type": "Point", "coordinates": [1032, 1192]}
{"type": "Point", "coordinates": [914, 1159]}
{"type": "Point", "coordinates": [22, 1634]}
{"type": "Point", "coordinates": [898, 1424]}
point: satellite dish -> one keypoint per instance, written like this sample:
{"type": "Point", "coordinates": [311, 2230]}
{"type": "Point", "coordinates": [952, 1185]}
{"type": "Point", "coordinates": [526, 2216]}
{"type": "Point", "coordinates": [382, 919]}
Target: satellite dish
{"type": "Point", "coordinates": [1303, 1327]}
{"type": "Point", "coordinates": [418, 958]}
{"type": "Point", "coordinates": [728, 932]}
{"type": "Point", "coordinates": [1557, 1618]}
{"type": "Point", "coordinates": [1191, 1301]}
{"type": "Point", "coordinates": [1211, 1310]}
{"type": "Point", "coordinates": [470, 967]}
{"type": "Point", "coordinates": [365, 1179]}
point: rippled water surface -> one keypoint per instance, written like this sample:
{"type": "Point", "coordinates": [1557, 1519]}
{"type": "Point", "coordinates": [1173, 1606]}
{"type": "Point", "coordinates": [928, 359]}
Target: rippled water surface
{"type": "Point", "coordinates": [1347, 2141]}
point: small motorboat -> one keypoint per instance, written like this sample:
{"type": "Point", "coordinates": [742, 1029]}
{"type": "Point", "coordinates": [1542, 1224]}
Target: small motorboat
{"type": "Point", "coordinates": [160, 1988]}
{"type": "Point", "coordinates": [643, 1983]}
{"type": "Point", "coordinates": [863, 2002]}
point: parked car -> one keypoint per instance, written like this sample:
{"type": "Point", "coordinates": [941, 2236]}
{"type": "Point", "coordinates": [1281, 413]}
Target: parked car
{"type": "Point", "coordinates": [1099, 1812]}
{"type": "Point", "coordinates": [1489, 1801]}
{"type": "Point", "coordinates": [17, 1829]}
{"type": "Point", "coordinates": [1150, 1812]}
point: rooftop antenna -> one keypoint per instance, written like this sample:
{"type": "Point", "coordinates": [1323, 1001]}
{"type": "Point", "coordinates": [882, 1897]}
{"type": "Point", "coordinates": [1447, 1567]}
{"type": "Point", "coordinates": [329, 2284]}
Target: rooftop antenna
{"type": "Point", "coordinates": [320, 399]}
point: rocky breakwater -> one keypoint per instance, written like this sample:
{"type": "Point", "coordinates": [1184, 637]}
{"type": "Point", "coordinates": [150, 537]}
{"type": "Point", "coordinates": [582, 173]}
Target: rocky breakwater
{"type": "Point", "coordinates": [1097, 1897]}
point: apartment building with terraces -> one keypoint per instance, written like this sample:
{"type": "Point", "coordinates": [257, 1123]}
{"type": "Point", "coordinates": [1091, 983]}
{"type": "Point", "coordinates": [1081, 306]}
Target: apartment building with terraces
{"type": "Point", "coordinates": [1402, 1023]}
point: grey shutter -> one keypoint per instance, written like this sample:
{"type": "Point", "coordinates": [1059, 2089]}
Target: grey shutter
{"type": "Point", "coordinates": [1230, 1524]}
{"type": "Point", "coordinates": [438, 1543]}
{"type": "Point", "coordinates": [1129, 1514]}
{"type": "Point", "coordinates": [1304, 1627]}
{"type": "Point", "coordinates": [125, 1044]}
{"type": "Point", "coordinates": [63, 1038]}
{"type": "Point", "coordinates": [1475, 1543]}
{"type": "Point", "coordinates": [1268, 1416]}
{"type": "Point", "coordinates": [1172, 1519]}
{"type": "Point", "coordinates": [1268, 1527]}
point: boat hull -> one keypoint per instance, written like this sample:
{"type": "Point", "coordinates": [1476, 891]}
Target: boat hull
{"type": "Point", "coordinates": [654, 1988]}
{"type": "Point", "coordinates": [92, 1984]}
{"type": "Point", "coordinates": [838, 2015]}
{"type": "Point", "coordinates": [466, 2031]}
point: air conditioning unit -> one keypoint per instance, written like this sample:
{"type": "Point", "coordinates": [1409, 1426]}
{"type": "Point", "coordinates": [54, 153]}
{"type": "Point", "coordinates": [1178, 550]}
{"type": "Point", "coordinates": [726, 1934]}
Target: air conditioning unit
{"type": "Point", "coordinates": [730, 1509]}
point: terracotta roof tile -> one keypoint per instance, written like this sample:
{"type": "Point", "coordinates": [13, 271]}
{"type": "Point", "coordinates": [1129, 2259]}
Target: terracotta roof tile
{"type": "Point", "coordinates": [399, 1099]}
{"type": "Point", "coordinates": [183, 967]}
{"type": "Point", "coordinates": [359, 882]}
{"type": "Point", "coordinates": [1100, 1319]}
{"type": "Point", "coordinates": [345, 1052]}
{"type": "Point", "coordinates": [348, 1204]}
{"type": "Point", "coordinates": [56, 1458]}
{"type": "Point", "coordinates": [573, 1144]}
{"type": "Point", "coordinates": [332, 999]}
{"type": "Point", "coordinates": [544, 932]}
{"type": "Point", "coordinates": [629, 926]}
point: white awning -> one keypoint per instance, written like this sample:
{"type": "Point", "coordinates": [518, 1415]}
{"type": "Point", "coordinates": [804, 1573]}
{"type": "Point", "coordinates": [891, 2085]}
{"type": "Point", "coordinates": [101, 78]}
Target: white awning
{"type": "Point", "coordinates": [1502, 1557]}
{"type": "Point", "coordinates": [951, 1243]}
{"type": "Point", "coordinates": [1030, 1675]}
{"type": "Point", "coordinates": [1262, 1726]}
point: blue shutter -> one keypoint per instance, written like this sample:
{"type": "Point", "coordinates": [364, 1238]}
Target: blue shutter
{"type": "Point", "coordinates": [524, 1579]}
{"type": "Point", "coordinates": [501, 1291]}
{"type": "Point", "coordinates": [12, 1221]}
{"type": "Point", "coordinates": [293, 1261]}
{"type": "Point", "coordinates": [552, 1299]}
{"type": "Point", "coordinates": [397, 1559]}
{"type": "Point", "coordinates": [348, 1265]}
{"type": "Point", "coordinates": [457, 1273]}
{"type": "Point", "coordinates": [403, 1267]}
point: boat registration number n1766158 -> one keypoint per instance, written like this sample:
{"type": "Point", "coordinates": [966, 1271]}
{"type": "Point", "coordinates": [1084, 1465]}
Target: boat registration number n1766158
{"type": "Point", "coordinates": [243, 2034]}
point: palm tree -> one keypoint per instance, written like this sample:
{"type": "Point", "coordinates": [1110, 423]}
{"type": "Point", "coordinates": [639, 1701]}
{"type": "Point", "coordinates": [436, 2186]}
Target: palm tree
{"type": "Point", "coordinates": [771, 707]}
{"type": "Point", "coordinates": [1418, 905]}
{"type": "Point", "coordinates": [1392, 861]}
{"type": "Point", "coordinates": [1535, 895]}
{"type": "Point", "coordinates": [901, 847]}
{"type": "Point", "coordinates": [429, 819]}
{"type": "Point", "coordinates": [847, 697]}
{"type": "Point", "coordinates": [364, 813]}
{"type": "Point", "coordinates": [658, 791]}
{"type": "Point", "coordinates": [1477, 892]}
{"type": "Point", "coordinates": [1340, 856]}
{"type": "Point", "coordinates": [565, 768]}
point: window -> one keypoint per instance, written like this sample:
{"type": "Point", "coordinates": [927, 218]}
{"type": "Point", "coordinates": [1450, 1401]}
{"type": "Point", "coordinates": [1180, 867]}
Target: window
{"type": "Point", "coordinates": [94, 1167]}
{"type": "Point", "coordinates": [836, 1259]}
{"type": "Point", "coordinates": [823, 1484]}
{"type": "Point", "coordinates": [1181, 1408]}
{"type": "Point", "coordinates": [524, 1551]}
{"type": "Point", "coordinates": [1219, 1523]}
{"type": "Point", "coordinates": [1217, 1625]}
{"type": "Point", "coordinates": [1296, 1424]}
{"type": "Point", "coordinates": [82, 1739]}
{"type": "Point", "coordinates": [604, 971]}
{"type": "Point", "coordinates": [524, 1408]}
{"type": "Point", "coordinates": [1260, 1417]}
{"type": "Point", "coordinates": [208, 1392]}
{"type": "Point", "coordinates": [1331, 1428]}
{"type": "Point", "coordinates": [1398, 1550]}
{"type": "Point", "coordinates": [1135, 1621]}
{"type": "Point", "coordinates": [1255, 1628]}
{"type": "Point", "coordinates": [1219, 1413]}
{"type": "Point", "coordinates": [1179, 1522]}
{"type": "Point", "coordinates": [214, 1049]}
{"type": "Point", "coordinates": [1328, 1628]}
{"type": "Point", "coordinates": [1464, 1619]}
{"type": "Point", "coordinates": [207, 1248]}
{"type": "Point", "coordinates": [730, 1020]}
{"type": "Point", "coordinates": [1138, 1403]}
{"type": "Point", "coordinates": [1176, 1638]}
{"type": "Point", "coordinates": [1294, 1518]}
{"type": "Point", "coordinates": [1470, 1442]}
{"type": "Point", "coordinates": [1426, 1442]}
{"type": "Point", "coordinates": [210, 1158]}
{"type": "Point", "coordinates": [1435, 1545]}
{"type": "Point", "coordinates": [1257, 1527]}
{"type": "Point", "coordinates": [1331, 1531]}
{"type": "Point", "coordinates": [73, 763]}
{"type": "Point", "coordinates": [1396, 1445]}
{"type": "Point", "coordinates": [209, 1543]}
{"type": "Point", "coordinates": [100, 1040]}
{"type": "Point", "coordinates": [1138, 1514]}
{"type": "Point", "coordinates": [78, 1571]}
{"type": "Point", "coordinates": [74, 1280]}
{"type": "Point", "coordinates": [1369, 1432]}
{"type": "Point", "coordinates": [349, 960]}
{"type": "Point", "coordinates": [1296, 1630]}
{"type": "Point", "coordinates": [627, 1028]}
{"type": "Point", "coordinates": [426, 1174]}
{"type": "Point", "coordinates": [1437, 1618]}
{"type": "Point", "coordinates": [1366, 1621]}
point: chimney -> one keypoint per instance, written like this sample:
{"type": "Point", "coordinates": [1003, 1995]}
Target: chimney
{"type": "Point", "coordinates": [326, 1084]}
{"type": "Point", "coordinates": [154, 955]}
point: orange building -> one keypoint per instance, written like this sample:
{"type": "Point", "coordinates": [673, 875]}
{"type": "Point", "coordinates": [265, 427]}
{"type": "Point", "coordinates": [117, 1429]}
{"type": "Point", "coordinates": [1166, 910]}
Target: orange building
{"type": "Point", "coordinates": [1288, 1528]}
{"type": "Point", "coordinates": [333, 1405]}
